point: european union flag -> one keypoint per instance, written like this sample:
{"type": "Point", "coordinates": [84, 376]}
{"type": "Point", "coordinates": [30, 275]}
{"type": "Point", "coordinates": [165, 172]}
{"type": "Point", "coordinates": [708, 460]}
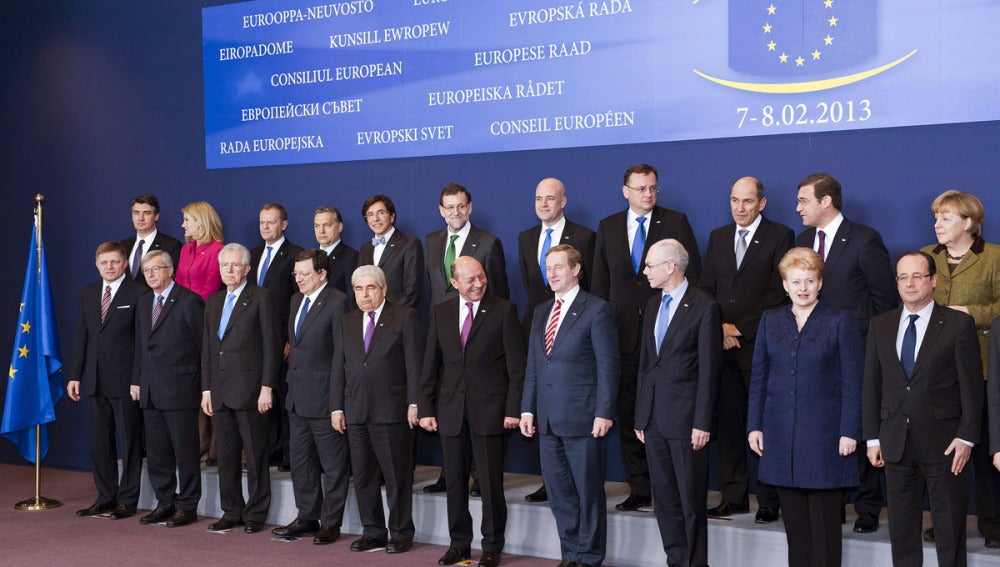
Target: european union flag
{"type": "Point", "coordinates": [33, 382]}
{"type": "Point", "coordinates": [799, 38]}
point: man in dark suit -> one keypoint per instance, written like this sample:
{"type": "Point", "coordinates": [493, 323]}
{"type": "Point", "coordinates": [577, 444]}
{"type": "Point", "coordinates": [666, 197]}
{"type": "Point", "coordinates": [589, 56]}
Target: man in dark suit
{"type": "Point", "coordinates": [399, 255]}
{"type": "Point", "coordinates": [271, 267]}
{"type": "Point", "coordinates": [315, 446]}
{"type": "Point", "coordinates": [570, 383]}
{"type": "Point", "coordinates": [145, 215]}
{"type": "Point", "coordinates": [240, 356]}
{"type": "Point", "coordinates": [170, 325]}
{"type": "Point", "coordinates": [741, 272]}
{"type": "Point", "coordinates": [373, 397]}
{"type": "Point", "coordinates": [619, 253]}
{"type": "Point", "coordinates": [470, 392]}
{"type": "Point", "coordinates": [922, 406]}
{"type": "Point", "coordinates": [101, 371]}
{"type": "Point", "coordinates": [678, 383]}
{"type": "Point", "coordinates": [328, 224]}
{"type": "Point", "coordinates": [857, 278]}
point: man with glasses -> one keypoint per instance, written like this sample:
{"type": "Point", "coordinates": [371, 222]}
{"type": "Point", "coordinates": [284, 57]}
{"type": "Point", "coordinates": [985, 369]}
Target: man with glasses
{"type": "Point", "coordinates": [398, 254]}
{"type": "Point", "coordinates": [619, 255]}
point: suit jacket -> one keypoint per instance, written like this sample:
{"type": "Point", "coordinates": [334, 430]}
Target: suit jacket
{"type": "Point", "coordinates": [579, 380]}
{"type": "Point", "coordinates": [615, 280]}
{"type": "Point", "coordinates": [480, 384]}
{"type": "Point", "coordinates": [805, 394]}
{"type": "Point", "coordinates": [680, 384]}
{"type": "Point", "coordinates": [857, 276]}
{"type": "Point", "coordinates": [279, 279]}
{"type": "Point", "coordinates": [403, 264]}
{"type": "Point", "coordinates": [104, 353]}
{"type": "Point", "coordinates": [343, 262]}
{"type": "Point", "coordinates": [993, 388]}
{"type": "Point", "coordinates": [577, 236]}
{"type": "Point", "coordinates": [941, 400]}
{"type": "Point", "coordinates": [249, 354]}
{"type": "Point", "coordinates": [376, 386]}
{"type": "Point", "coordinates": [198, 268]}
{"type": "Point", "coordinates": [482, 246]}
{"type": "Point", "coordinates": [310, 361]}
{"type": "Point", "coordinates": [164, 242]}
{"type": "Point", "coordinates": [744, 293]}
{"type": "Point", "coordinates": [168, 355]}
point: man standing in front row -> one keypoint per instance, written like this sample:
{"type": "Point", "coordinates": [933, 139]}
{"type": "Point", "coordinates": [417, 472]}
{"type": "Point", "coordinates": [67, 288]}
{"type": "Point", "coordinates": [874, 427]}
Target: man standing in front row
{"type": "Point", "coordinates": [922, 409]}
{"type": "Point", "coordinates": [167, 384]}
{"type": "Point", "coordinates": [678, 383]}
{"type": "Point", "coordinates": [240, 356]}
{"type": "Point", "coordinates": [315, 446]}
{"type": "Point", "coordinates": [373, 397]}
{"type": "Point", "coordinates": [471, 386]}
{"type": "Point", "coordinates": [570, 383]}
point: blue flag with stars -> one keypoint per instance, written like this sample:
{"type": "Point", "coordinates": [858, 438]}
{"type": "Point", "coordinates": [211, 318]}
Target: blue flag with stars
{"type": "Point", "coordinates": [34, 384]}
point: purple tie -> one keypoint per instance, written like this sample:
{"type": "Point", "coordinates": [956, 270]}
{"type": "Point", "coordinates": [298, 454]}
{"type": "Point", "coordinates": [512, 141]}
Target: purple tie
{"type": "Point", "coordinates": [157, 309]}
{"type": "Point", "coordinates": [822, 245]}
{"type": "Point", "coordinates": [467, 325]}
{"type": "Point", "coordinates": [369, 330]}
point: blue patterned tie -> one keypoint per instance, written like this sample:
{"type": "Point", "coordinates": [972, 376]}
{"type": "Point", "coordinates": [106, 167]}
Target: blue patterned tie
{"type": "Point", "coordinates": [908, 351]}
{"type": "Point", "coordinates": [662, 321]}
{"type": "Point", "coordinates": [227, 312]}
{"type": "Point", "coordinates": [302, 317]}
{"type": "Point", "coordinates": [263, 269]}
{"type": "Point", "coordinates": [638, 243]}
{"type": "Point", "coordinates": [545, 248]}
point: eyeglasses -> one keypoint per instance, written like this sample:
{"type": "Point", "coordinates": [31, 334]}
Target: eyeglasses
{"type": "Point", "coordinates": [378, 213]}
{"type": "Point", "coordinates": [231, 265]}
{"type": "Point", "coordinates": [303, 274]}
{"type": "Point", "coordinates": [915, 278]}
{"type": "Point", "coordinates": [650, 188]}
{"type": "Point", "coordinates": [651, 266]}
{"type": "Point", "coordinates": [153, 270]}
{"type": "Point", "coordinates": [460, 208]}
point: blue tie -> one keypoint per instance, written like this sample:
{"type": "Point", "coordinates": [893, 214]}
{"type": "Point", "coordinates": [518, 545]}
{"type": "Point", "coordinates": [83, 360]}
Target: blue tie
{"type": "Point", "coordinates": [638, 243]}
{"type": "Point", "coordinates": [545, 248]}
{"type": "Point", "coordinates": [227, 312]}
{"type": "Point", "coordinates": [662, 321]}
{"type": "Point", "coordinates": [302, 317]}
{"type": "Point", "coordinates": [263, 269]}
{"type": "Point", "coordinates": [908, 352]}
{"type": "Point", "coordinates": [378, 240]}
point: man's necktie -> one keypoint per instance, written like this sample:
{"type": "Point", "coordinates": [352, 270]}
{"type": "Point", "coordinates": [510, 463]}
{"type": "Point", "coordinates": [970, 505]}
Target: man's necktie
{"type": "Point", "coordinates": [302, 317]}
{"type": "Point", "coordinates": [137, 260]}
{"type": "Point", "coordinates": [662, 321]}
{"type": "Point", "coordinates": [550, 329]}
{"type": "Point", "coordinates": [822, 244]}
{"type": "Point", "coordinates": [449, 257]}
{"type": "Point", "coordinates": [741, 246]}
{"type": "Point", "coordinates": [908, 351]}
{"type": "Point", "coordinates": [157, 308]}
{"type": "Point", "coordinates": [263, 269]}
{"type": "Point", "coordinates": [227, 311]}
{"type": "Point", "coordinates": [638, 243]}
{"type": "Point", "coordinates": [369, 330]}
{"type": "Point", "coordinates": [541, 258]}
{"type": "Point", "coordinates": [105, 302]}
{"type": "Point", "coordinates": [467, 325]}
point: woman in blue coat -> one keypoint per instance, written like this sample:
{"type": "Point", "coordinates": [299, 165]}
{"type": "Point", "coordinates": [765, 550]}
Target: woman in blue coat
{"type": "Point", "coordinates": [804, 414]}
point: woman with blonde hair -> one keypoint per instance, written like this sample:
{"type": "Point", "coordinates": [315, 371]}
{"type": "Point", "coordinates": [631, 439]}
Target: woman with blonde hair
{"type": "Point", "coordinates": [198, 267]}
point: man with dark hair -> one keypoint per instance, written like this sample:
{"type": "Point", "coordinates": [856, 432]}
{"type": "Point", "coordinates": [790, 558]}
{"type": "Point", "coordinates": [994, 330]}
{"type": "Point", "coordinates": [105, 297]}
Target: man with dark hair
{"type": "Point", "coordinates": [398, 254]}
{"type": "Point", "coordinates": [328, 225]}
{"type": "Point", "coordinates": [145, 215]}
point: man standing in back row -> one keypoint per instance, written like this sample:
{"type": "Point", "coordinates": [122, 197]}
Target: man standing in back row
{"type": "Point", "coordinates": [145, 216]}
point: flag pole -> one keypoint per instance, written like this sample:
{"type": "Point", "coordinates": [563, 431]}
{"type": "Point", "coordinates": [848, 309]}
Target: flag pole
{"type": "Point", "coordinates": [38, 502]}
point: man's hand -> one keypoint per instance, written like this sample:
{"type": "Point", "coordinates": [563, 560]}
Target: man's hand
{"type": "Point", "coordinates": [756, 440]}
{"type": "Point", "coordinates": [133, 392]}
{"type": "Point", "coordinates": [847, 446]}
{"type": "Point", "coordinates": [962, 453]}
{"type": "Point", "coordinates": [287, 350]}
{"type": "Point", "coordinates": [528, 425]}
{"type": "Point", "coordinates": [339, 422]}
{"type": "Point", "coordinates": [206, 404]}
{"type": "Point", "coordinates": [730, 336]}
{"type": "Point", "coordinates": [264, 400]}
{"type": "Point", "coordinates": [73, 390]}
{"type": "Point", "coordinates": [411, 416]}
{"type": "Point", "coordinates": [875, 456]}
{"type": "Point", "coordinates": [640, 435]}
{"type": "Point", "coordinates": [699, 439]}
{"type": "Point", "coordinates": [601, 427]}
{"type": "Point", "coordinates": [429, 423]}
{"type": "Point", "coordinates": [511, 422]}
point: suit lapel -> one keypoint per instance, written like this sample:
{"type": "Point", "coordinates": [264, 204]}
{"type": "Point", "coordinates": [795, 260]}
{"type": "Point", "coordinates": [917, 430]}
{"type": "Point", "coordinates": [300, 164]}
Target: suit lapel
{"type": "Point", "coordinates": [967, 262]}
{"type": "Point", "coordinates": [485, 306]}
{"type": "Point", "coordinates": [391, 248]}
{"type": "Point", "coordinates": [653, 232]}
{"type": "Point", "coordinates": [570, 314]}
{"type": "Point", "coordinates": [168, 304]}
{"type": "Point", "coordinates": [934, 327]}
{"type": "Point", "coordinates": [275, 259]}
{"type": "Point", "coordinates": [753, 245]}
{"type": "Point", "coordinates": [116, 301]}
{"type": "Point", "coordinates": [836, 243]}
{"type": "Point", "coordinates": [384, 319]}
{"type": "Point", "coordinates": [242, 304]}
{"type": "Point", "coordinates": [314, 311]}
{"type": "Point", "coordinates": [471, 245]}
{"type": "Point", "coordinates": [679, 318]}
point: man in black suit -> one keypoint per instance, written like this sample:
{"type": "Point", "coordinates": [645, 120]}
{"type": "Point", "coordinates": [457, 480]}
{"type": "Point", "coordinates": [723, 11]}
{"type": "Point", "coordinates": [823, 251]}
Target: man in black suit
{"type": "Point", "coordinates": [145, 215]}
{"type": "Point", "coordinates": [922, 406]}
{"type": "Point", "coordinates": [470, 392]}
{"type": "Point", "coordinates": [741, 272]}
{"type": "Point", "coordinates": [316, 447]}
{"type": "Point", "coordinates": [167, 384]}
{"type": "Point", "coordinates": [678, 382]}
{"type": "Point", "coordinates": [857, 278]}
{"type": "Point", "coordinates": [619, 253]}
{"type": "Point", "coordinates": [399, 255]}
{"type": "Point", "coordinates": [373, 397]}
{"type": "Point", "coordinates": [241, 352]}
{"type": "Point", "coordinates": [101, 371]}
{"type": "Point", "coordinates": [328, 224]}
{"type": "Point", "coordinates": [271, 267]}
{"type": "Point", "coordinates": [570, 383]}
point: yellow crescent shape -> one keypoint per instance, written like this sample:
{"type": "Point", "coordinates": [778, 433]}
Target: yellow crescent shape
{"type": "Point", "coordinates": [805, 87]}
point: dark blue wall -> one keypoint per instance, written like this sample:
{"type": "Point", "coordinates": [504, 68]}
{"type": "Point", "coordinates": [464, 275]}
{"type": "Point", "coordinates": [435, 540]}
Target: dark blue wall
{"type": "Point", "coordinates": [100, 101]}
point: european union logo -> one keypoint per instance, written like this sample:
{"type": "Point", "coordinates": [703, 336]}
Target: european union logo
{"type": "Point", "coordinates": [33, 382]}
{"type": "Point", "coordinates": [799, 37]}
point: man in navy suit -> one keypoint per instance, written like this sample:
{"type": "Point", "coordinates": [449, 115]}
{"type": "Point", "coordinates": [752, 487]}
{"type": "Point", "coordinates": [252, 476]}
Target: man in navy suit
{"type": "Point", "coordinates": [328, 225]}
{"type": "Point", "coordinates": [678, 383]}
{"type": "Point", "coordinates": [857, 278]}
{"type": "Point", "coordinates": [145, 216]}
{"type": "Point", "coordinates": [398, 254]}
{"type": "Point", "coordinates": [570, 384]}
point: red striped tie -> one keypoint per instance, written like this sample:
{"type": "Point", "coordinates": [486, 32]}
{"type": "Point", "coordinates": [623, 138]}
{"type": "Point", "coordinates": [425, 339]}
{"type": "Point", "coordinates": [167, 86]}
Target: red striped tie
{"type": "Point", "coordinates": [550, 330]}
{"type": "Point", "coordinates": [105, 303]}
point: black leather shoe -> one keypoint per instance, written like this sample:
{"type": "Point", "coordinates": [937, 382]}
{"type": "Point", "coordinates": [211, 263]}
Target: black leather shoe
{"type": "Point", "coordinates": [929, 535]}
{"type": "Point", "coordinates": [489, 559]}
{"type": "Point", "coordinates": [566, 564]}
{"type": "Point", "coordinates": [96, 508]}
{"type": "Point", "coordinates": [157, 516]}
{"type": "Point", "coordinates": [398, 545]}
{"type": "Point", "coordinates": [766, 516]}
{"type": "Point", "coordinates": [252, 527]}
{"type": "Point", "coordinates": [223, 525]}
{"type": "Point", "coordinates": [285, 466]}
{"type": "Point", "coordinates": [866, 523]}
{"type": "Point", "coordinates": [211, 462]}
{"type": "Point", "coordinates": [476, 491]}
{"type": "Point", "coordinates": [632, 503]}
{"type": "Point", "coordinates": [453, 556]}
{"type": "Point", "coordinates": [725, 509]}
{"type": "Point", "coordinates": [182, 518]}
{"type": "Point", "coordinates": [297, 528]}
{"type": "Point", "coordinates": [326, 534]}
{"type": "Point", "coordinates": [436, 487]}
{"type": "Point", "coordinates": [122, 511]}
{"type": "Point", "coordinates": [992, 543]}
{"type": "Point", "coordinates": [540, 495]}
{"type": "Point", "coordinates": [367, 544]}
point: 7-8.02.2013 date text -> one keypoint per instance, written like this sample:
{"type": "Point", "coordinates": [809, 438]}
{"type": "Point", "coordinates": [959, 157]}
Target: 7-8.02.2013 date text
{"type": "Point", "coordinates": [801, 114]}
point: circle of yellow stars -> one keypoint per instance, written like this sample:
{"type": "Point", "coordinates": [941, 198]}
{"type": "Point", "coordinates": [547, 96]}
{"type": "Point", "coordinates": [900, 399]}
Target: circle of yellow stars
{"type": "Point", "coordinates": [800, 61]}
